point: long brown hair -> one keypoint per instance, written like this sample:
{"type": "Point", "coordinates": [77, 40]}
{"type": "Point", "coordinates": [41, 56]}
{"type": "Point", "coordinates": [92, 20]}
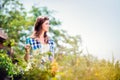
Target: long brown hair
{"type": "Point", "coordinates": [38, 27]}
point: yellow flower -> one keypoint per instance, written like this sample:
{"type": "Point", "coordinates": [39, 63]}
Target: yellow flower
{"type": "Point", "coordinates": [96, 74]}
{"type": "Point", "coordinates": [54, 67]}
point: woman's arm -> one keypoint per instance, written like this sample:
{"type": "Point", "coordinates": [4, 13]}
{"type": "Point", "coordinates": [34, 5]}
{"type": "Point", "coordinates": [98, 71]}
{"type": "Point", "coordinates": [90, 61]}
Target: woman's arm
{"type": "Point", "coordinates": [27, 53]}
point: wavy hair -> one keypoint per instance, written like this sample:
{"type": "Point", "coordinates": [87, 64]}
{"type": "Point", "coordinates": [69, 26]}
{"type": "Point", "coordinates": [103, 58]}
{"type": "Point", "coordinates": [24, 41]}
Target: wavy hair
{"type": "Point", "coordinates": [38, 28]}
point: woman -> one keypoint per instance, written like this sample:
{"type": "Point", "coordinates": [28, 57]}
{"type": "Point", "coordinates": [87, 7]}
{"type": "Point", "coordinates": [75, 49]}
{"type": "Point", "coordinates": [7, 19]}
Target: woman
{"type": "Point", "coordinates": [38, 44]}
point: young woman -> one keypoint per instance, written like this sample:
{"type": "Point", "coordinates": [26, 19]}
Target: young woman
{"type": "Point", "coordinates": [39, 43]}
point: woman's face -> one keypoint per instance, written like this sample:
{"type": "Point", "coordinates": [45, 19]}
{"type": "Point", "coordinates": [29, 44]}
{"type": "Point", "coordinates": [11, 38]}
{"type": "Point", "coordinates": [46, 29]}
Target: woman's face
{"type": "Point", "coordinates": [45, 26]}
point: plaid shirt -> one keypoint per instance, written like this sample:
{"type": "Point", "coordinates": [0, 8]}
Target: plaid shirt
{"type": "Point", "coordinates": [37, 45]}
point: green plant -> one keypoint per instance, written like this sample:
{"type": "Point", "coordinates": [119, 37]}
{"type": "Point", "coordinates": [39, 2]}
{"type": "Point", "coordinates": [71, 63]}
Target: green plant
{"type": "Point", "coordinates": [41, 71]}
{"type": "Point", "coordinates": [6, 66]}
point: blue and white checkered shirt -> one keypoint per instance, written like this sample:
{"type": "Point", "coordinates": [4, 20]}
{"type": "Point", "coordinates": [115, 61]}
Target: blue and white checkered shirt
{"type": "Point", "coordinates": [37, 45]}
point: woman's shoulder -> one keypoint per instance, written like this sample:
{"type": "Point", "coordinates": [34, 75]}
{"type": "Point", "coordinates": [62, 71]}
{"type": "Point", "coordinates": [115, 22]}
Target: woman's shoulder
{"type": "Point", "coordinates": [30, 40]}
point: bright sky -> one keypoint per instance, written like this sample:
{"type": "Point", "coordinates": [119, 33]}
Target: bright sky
{"type": "Point", "coordinates": [97, 21]}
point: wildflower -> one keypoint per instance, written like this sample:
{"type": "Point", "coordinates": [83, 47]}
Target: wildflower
{"type": "Point", "coordinates": [54, 67]}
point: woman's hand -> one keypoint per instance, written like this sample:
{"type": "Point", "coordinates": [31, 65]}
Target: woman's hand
{"type": "Point", "coordinates": [27, 48]}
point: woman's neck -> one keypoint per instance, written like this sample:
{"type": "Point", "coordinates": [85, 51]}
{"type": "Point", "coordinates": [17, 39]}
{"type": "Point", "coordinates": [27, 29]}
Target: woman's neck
{"type": "Point", "coordinates": [41, 37]}
{"type": "Point", "coordinates": [41, 34]}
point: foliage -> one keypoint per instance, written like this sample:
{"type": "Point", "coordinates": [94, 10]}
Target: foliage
{"type": "Point", "coordinates": [7, 68]}
{"type": "Point", "coordinates": [37, 70]}
{"type": "Point", "coordinates": [72, 67]}
{"type": "Point", "coordinates": [6, 64]}
{"type": "Point", "coordinates": [87, 68]}
{"type": "Point", "coordinates": [38, 73]}
{"type": "Point", "coordinates": [10, 65]}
